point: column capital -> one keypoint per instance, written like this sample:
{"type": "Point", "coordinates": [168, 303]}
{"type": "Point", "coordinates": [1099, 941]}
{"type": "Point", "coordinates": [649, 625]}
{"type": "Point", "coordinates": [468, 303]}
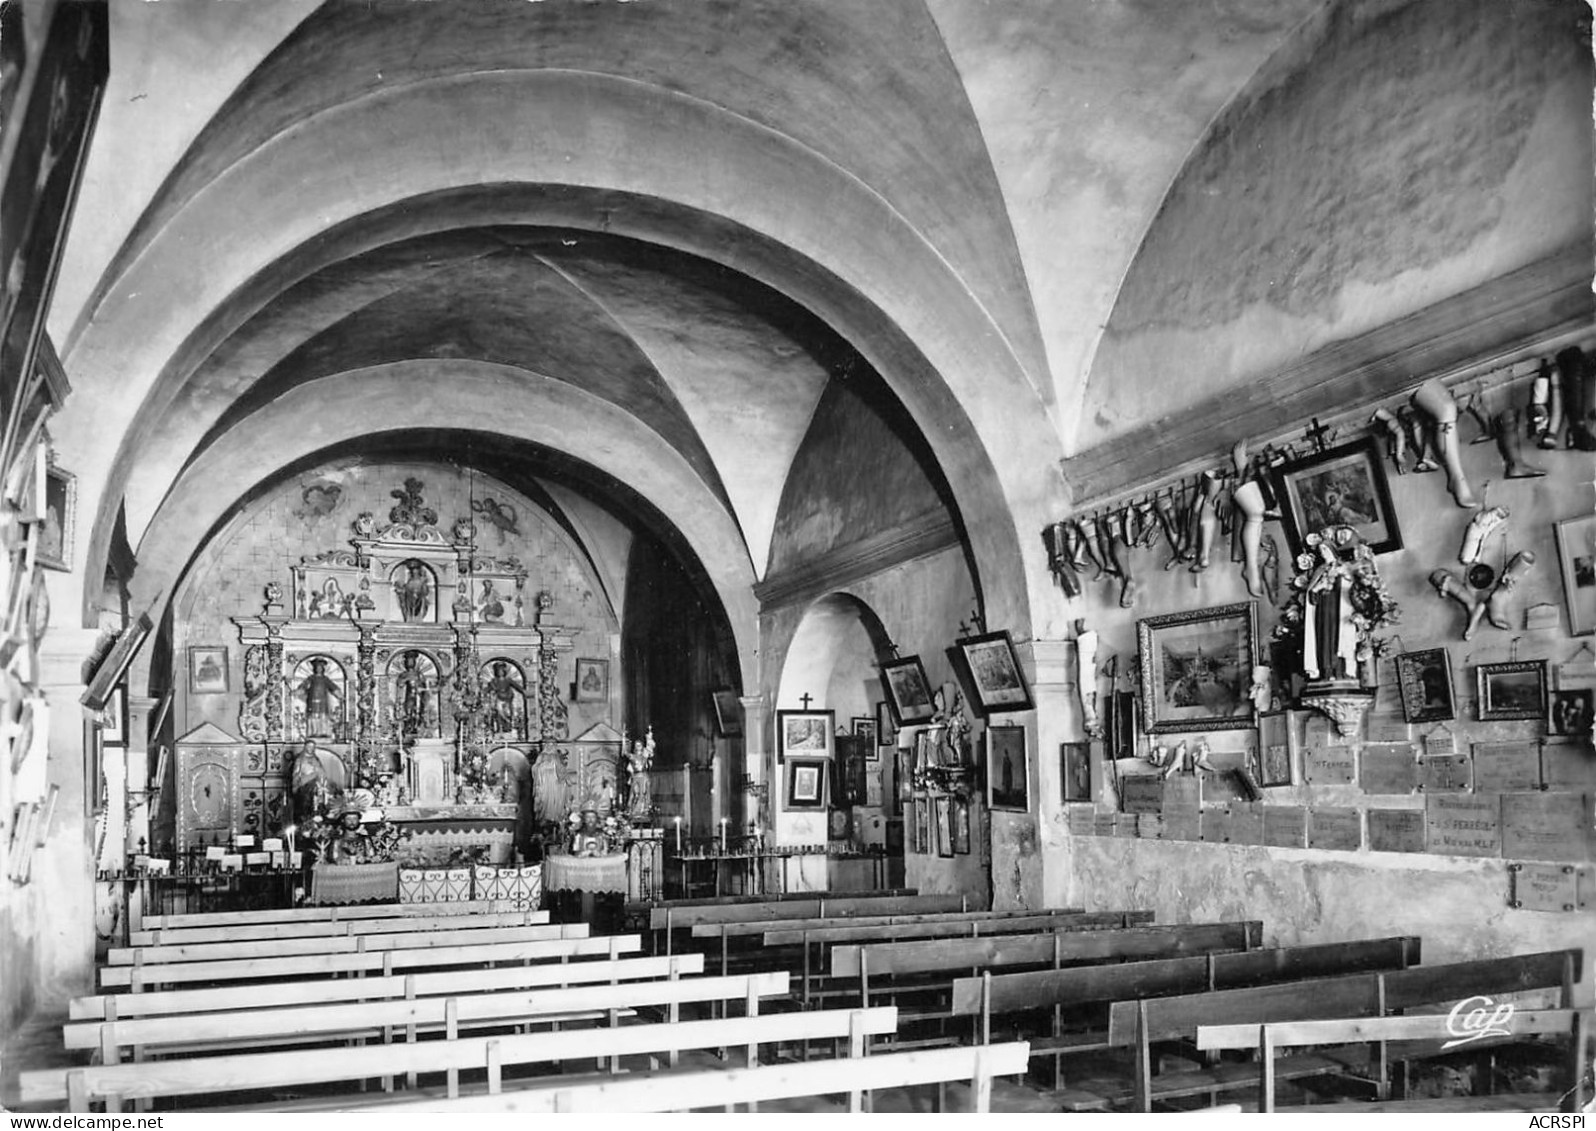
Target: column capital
{"type": "Point", "coordinates": [1053, 661]}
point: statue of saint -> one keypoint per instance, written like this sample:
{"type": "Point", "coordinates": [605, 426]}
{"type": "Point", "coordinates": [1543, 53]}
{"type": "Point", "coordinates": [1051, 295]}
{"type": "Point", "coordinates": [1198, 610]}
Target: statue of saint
{"type": "Point", "coordinates": [551, 789]}
{"type": "Point", "coordinates": [322, 696]}
{"type": "Point", "coordinates": [410, 687]}
{"type": "Point", "coordinates": [308, 785]}
{"type": "Point", "coordinates": [502, 693]}
{"type": "Point", "coordinates": [414, 593]}
{"type": "Point", "coordinates": [589, 838]}
{"type": "Point", "coordinates": [351, 845]}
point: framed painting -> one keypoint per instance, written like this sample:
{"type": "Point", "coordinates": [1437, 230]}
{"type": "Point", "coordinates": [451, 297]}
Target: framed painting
{"type": "Point", "coordinates": [922, 825]}
{"type": "Point", "coordinates": [806, 783]}
{"type": "Point", "coordinates": [1344, 486]}
{"type": "Point", "coordinates": [1571, 712]}
{"type": "Point", "coordinates": [886, 733]}
{"type": "Point", "coordinates": [592, 681]}
{"type": "Point", "coordinates": [207, 670]}
{"type": "Point", "coordinates": [1576, 559]}
{"type": "Point", "coordinates": [60, 513]}
{"type": "Point", "coordinates": [1196, 668]}
{"type": "Point", "coordinates": [1425, 680]}
{"type": "Point", "coordinates": [961, 826]}
{"type": "Point", "coordinates": [806, 733]}
{"type": "Point", "coordinates": [944, 825]}
{"type": "Point", "coordinates": [1007, 774]}
{"type": "Point", "coordinates": [904, 773]}
{"type": "Point", "coordinates": [908, 691]}
{"type": "Point", "coordinates": [996, 682]}
{"type": "Point", "coordinates": [1075, 770]}
{"type": "Point", "coordinates": [1513, 690]}
{"type": "Point", "coordinates": [728, 713]}
{"type": "Point", "coordinates": [865, 728]}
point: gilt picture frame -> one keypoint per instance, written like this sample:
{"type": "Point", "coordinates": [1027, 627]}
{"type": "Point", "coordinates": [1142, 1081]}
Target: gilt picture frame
{"type": "Point", "coordinates": [592, 681]}
{"type": "Point", "coordinates": [1424, 679]}
{"type": "Point", "coordinates": [806, 783]}
{"type": "Point", "coordinates": [1345, 486]}
{"type": "Point", "coordinates": [1196, 668]}
{"type": "Point", "coordinates": [207, 670]}
{"type": "Point", "coordinates": [996, 680]}
{"type": "Point", "coordinates": [810, 734]}
{"type": "Point", "coordinates": [908, 691]}
{"type": "Point", "coordinates": [1008, 785]}
{"type": "Point", "coordinates": [1511, 690]}
{"type": "Point", "coordinates": [1576, 561]}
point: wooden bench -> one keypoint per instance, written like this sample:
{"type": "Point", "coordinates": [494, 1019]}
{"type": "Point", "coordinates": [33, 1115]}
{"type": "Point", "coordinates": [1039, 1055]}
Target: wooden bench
{"type": "Point", "coordinates": [365, 962]}
{"type": "Point", "coordinates": [854, 1076]}
{"type": "Point", "coordinates": [335, 914]}
{"type": "Point", "coordinates": [990, 995]}
{"type": "Point", "coordinates": [159, 1003]}
{"type": "Point", "coordinates": [1137, 1024]}
{"type": "Point", "coordinates": [263, 1027]}
{"type": "Point", "coordinates": [247, 932]}
{"type": "Point", "coordinates": [220, 1075]}
{"type": "Point", "coordinates": [149, 956]}
{"type": "Point", "coordinates": [1433, 1028]}
{"type": "Point", "coordinates": [670, 920]}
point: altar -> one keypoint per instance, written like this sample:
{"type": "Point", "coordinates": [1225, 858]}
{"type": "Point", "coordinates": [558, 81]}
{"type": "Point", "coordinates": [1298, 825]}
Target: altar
{"type": "Point", "coordinates": [437, 834]}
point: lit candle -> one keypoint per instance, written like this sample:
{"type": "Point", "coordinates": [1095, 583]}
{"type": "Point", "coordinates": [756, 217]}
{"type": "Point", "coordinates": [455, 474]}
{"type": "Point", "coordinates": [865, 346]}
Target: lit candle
{"type": "Point", "coordinates": [678, 836]}
{"type": "Point", "coordinates": [723, 834]}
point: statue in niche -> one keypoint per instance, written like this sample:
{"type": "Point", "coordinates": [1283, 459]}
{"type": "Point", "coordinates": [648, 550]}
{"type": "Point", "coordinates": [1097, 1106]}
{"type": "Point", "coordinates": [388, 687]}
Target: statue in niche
{"type": "Point", "coordinates": [504, 699]}
{"type": "Point", "coordinates": [413, 686]}
{"type": "Point", "coordinates": [308, 784]}
{"type": "Point", "coordinates": [492, 607]}
{"type": "Point", "coordinates": [551, 787]}
{"type": "Point", "coordinates": [414, 592]}
{"type": "Point", "coordinates": [322, 698]}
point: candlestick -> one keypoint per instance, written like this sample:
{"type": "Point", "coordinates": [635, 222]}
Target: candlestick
{"type": "Point", "coordinates": [678, 836]}
{"type": "Point", "coordinates": [723, 834]}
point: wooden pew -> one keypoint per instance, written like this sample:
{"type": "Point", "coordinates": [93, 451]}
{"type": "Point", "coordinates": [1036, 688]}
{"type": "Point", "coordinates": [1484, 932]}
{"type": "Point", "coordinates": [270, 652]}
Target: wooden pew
{"type": "Point", "coordinates": [213, 1031]}
{"type": "Point", "coordinates": [219, 1075]}
{"type": "Point", "coordinates": [1433, 1028]}
{"type": "Point", "coordinates": [365, 962]}
{"type": "Point", "coordinates": [855, 1076]}
{"type": "Point", "coordinates": [776, 897]}
{"type": "Point", "coordinates": [673, 919]}
{"type": "Point", "coordinates": [334, 914]}
{"type": "Point", "coordinates": [1138, 1024]}
{"type": "Point", "coordinates": [149, 956]}
{"type": "Point", "coordinates": [159, 1003]}
{"type": "Point", "coordinates": [247, 932]}
{"type": "Point", "coordinates": [992, 995]}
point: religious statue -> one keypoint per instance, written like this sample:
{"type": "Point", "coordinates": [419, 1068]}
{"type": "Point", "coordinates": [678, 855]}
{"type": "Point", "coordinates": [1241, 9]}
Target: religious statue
{"type": "Point", "coordinates": [551, 789]}
{"type": "Point", "coordinates": [588, 838]}
{"type": "Point", "coordinates": [308, 784]}
{"type": "Point", "coordinates": [410, 688]}
{"type": "Point", "coordinates": [503, 691]}
{"type": "Point", "coordinates": [640, 782]}
{"type": "Point", "coordinates": [320, 693]}
{"type": "Point", "coordinates": [414, 593]}
{"type": "Point", "coordinates": [350, 845]}
{"type": "Point", "coordinates": [492, 607]}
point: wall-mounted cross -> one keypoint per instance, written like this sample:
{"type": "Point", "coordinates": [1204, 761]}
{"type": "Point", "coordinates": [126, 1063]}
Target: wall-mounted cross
{"type": "Point", "coordinates": [805, 699]}
{"type": "Point", "coordinates": [1319, 434]}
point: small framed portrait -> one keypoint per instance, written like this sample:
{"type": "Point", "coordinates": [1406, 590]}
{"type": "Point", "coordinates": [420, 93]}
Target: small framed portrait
{"type": "Point", "coordinates": [996, 682]}
{"type": "Point", "coordinates": [1196, 668]}
{"type": "Point", "coordinates": [922, 825]}
{"type": "Point", "coordinates": [866, 728]}
{"type": "Point", "coordinates": [728, 713]}
{"type": "Point", "coordinates": [1075, 768]}
{"type": "Point", "coordinates": [1344, 486]}
{"type": "Point", "coordinates": [592, 681]}
{"type": "Point", "coordinates": [886, 733]}
{"type": "Point", "coordinates": [1425, 680]}
{"type": "Point", "coordinates": [1273, 765]}
{"type": "Point", "coordinates": [113, 720]}
{"type": "Point", "coordinates": [207, 670]}
{"type": "Point", "coordinates": [944, 824]}
{"type": "Point", "coordinates": [1007, 776]}
{"type": "Point", "coordinates": [1515, 690]}
{"type": "Point", "coordinates": [810, 734]}
{"type": "Point", "coordinates": [961, 826]}
{"type": "Point", "coordinates": [806, 783]}
{"type": "Point", "coordinates": [60, 513]}
{"type": "Point", "coordinates": [839, 824]}
{"type": "Point", "coordinates": [1571, 712]}
{"type": "Point", "coordinates": [1576, 559]}
{"type": "Point", "coordinates": [908, 691]}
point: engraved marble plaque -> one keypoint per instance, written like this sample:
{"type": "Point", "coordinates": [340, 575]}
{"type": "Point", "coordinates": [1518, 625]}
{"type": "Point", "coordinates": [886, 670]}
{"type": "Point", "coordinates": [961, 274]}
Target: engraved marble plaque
{"type": "Point", "coordinates": [1463, 826]}
{"type": "Point", "coordinates": [1246, 824]}
{"type": "Point", "coordinates": [1182, 825]}
{"type": "Point", "coordinates": [1149, 826]}
{"type": "Point", "coordinates": [1103, 823]}
{"type": "Point", "coordinates": [1548, 887]}
{"type": "Point", "coordinates": [1082, 820]}
{"type": "Point", "coordinates": [1439, 742]}
{"type": "Point", "coordinates": [1396, 830]}
{"type": "Point", "coordinates": [1568, 766]}
{"type": "Point", "coordinates": [1500, 767]}
{"type": "Point", "coordinates": [1328, 765]}
{"type": "Point", "coordinates": [1389, 767]}
{"type": "Point", "coordinates": [1216, 825]}
{"type": "Point", "coordinates": [1124, 824]}
{"type": "Point", "coordinates": [1547, 826]}
{"type": "Point", "coordinates": [1143, 794]}
{"type": "Point", "coordinates": [1387, 728]}
{"type": "Point", "coordinates": [1444, 773]}
{"type": "Point", "coordinates": [1285, 826]}
{"type": "Point", "coordinates": [1339, 830]}
{"type": "Point", "coordinates": [1318, 731]}
{"type": "Point", "coordinates": [1183, 793]}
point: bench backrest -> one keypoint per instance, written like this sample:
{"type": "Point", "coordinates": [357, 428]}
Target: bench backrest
{"type": "Point", "coordinates": [1363, 995]}
{"type": "Point", "coordinates": [734, 930]}
{"type": "Point", "coordinates": [253, 1071]}
{"type": "Point", "coordinates": [778, 897]}
{"type": "Point", "coordinates": [837, 907]}
{"type": "Point", "coordinates": [718, 1088]}
{"type": "Point", "coordinates": [848, 933]}
{"type": "Point", "coordinates": [1194, 974]}
{"type": "Point", "coordinates": [249, 932]}
{"type": "Point", "coordinates": [334, 944]}
{"type": "Point", "coordinates": [325, 990]}
{"type": "Point", "coordinates": [387, 961]}
{"type": "Point", "coordinates": [926, 956]}
{"type": "Point", "coordinates": [519, 1005]}
{"type": "Point", "coordinates": [334, 914]}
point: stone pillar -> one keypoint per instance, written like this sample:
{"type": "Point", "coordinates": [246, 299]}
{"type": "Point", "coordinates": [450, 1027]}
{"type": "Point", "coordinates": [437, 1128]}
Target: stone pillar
{"type": "Point", "coordinates": [757, 754]}
{"type": "Point", "coordinates": [1058, 720]}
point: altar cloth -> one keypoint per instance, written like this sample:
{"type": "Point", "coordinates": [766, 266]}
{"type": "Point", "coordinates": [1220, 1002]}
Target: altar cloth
{"type": "Point", "coordinates": [354, 883]}
{"type": "Point", "coordinates": [585, 873]}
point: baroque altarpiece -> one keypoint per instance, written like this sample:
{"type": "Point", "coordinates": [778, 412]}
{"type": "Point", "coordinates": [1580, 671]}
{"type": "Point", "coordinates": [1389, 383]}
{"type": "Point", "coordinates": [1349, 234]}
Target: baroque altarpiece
{"type": "Point", "coordinates": [413, 667]}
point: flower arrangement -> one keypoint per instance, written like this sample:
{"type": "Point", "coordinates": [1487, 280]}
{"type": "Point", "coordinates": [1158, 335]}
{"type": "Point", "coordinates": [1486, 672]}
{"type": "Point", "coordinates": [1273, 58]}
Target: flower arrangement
{"type": "Point", "coordinates": [1337, 560]}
